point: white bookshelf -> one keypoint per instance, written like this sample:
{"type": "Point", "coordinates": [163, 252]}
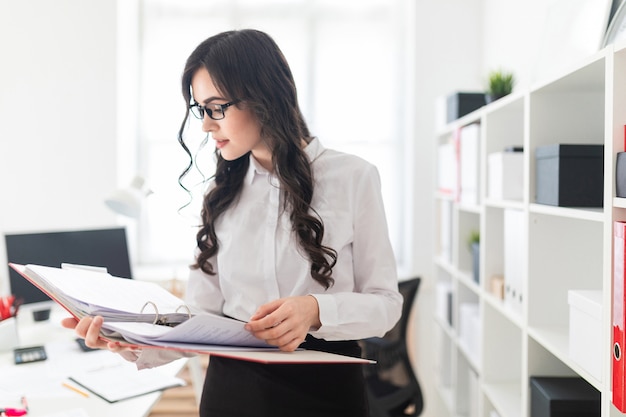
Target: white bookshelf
{"type": "Point", "coordinates": [562, 248]}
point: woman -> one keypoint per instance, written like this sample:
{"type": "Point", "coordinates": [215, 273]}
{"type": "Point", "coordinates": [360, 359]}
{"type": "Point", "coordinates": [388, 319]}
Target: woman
{"type": "Point", "coordinates": [293, 239]}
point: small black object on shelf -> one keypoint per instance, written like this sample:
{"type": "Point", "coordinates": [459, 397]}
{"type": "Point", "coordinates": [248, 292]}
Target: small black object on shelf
{"type": "Point", "coordinates": [459, 104]}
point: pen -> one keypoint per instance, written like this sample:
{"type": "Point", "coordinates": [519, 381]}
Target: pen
{"type": "Point", "coordinates": [76, 390]}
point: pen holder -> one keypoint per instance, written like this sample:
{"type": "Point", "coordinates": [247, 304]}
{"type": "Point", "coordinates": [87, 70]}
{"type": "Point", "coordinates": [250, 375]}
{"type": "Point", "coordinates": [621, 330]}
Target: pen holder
{"type": "Point", "coordinates": [8, 334]}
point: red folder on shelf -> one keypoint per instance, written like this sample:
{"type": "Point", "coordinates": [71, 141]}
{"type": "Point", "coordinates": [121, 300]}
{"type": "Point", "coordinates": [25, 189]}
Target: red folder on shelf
{"type": "Point", "coordinates": [618, 387]}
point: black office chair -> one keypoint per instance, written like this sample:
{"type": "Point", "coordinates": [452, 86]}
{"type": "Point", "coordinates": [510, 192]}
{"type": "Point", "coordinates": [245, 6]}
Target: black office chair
{"type": "Point", "coordinates": [393, 388]}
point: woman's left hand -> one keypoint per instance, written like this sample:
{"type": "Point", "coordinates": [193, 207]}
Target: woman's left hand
{"type": "Point", "coordinates": [285, 322]}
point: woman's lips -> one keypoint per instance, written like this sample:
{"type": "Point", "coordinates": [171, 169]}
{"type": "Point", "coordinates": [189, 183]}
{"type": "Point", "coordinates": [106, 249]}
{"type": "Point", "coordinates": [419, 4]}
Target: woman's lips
{"type": "Point", "coordinates": [220, 143]}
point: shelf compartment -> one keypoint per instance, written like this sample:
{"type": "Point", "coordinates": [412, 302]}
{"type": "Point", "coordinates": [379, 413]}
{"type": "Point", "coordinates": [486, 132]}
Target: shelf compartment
{"type": "Point", "coordinates": [469, 319]}
{"type": "Point", "coordinates": [502, 355]}
{"type": "Point", "coordinates": [493, 242]}
{"type": "Point", "coordinates": [545, 358]}
{"type": "Point", "coordinates": [468, 222]}
{"type": "Point", "coordinates": [444, 232]}
{"type": "Point", "coordinates": [555, 340]}
{"type": "Point", "coordinates": [505, 126]}
{"type": "Point", "coordinates": [504, 398]}
{"type": "Point", "coordinates": [465, 396]}
{"type": "Point", "coordinates": [564, 254]}
{"type": "Point", "coordinates": [444, 301]}
{"type": "Point", "coordinates": [444, 360]}
{"type": "Point", "coordinates": [591, 214]}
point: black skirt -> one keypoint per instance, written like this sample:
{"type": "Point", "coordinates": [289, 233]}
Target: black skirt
{"type": "Point", "coordinates": [236, 388]}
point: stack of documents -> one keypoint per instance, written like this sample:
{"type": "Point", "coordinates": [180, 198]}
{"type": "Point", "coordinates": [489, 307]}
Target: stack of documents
{"type": "Point", "coordinates": [144, 314]}
{"type": "Point", "coordinates": [138, 312]}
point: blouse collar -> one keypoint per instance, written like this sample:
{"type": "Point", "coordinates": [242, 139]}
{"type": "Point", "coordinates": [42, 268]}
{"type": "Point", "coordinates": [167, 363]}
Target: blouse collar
{"type": "Point", "coordinates": [313, 150]}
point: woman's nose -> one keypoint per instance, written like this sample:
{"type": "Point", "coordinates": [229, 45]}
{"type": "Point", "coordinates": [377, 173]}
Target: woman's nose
{"type": "Point", "coordinates": [208, 124]}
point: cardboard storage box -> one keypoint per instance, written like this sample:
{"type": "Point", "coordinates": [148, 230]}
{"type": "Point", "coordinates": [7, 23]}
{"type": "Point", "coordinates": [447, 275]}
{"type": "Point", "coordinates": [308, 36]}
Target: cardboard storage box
{"type": "Point", "coordinates": [585, 330]}
{"type": "Point", "coordinates": [505, 175]}
{"type": "Point", "coordinates": [459, 104]}
{"type": "Point", "coordinates": [569, 175]}
{"type": "Point", "coordinates": [563, 397]}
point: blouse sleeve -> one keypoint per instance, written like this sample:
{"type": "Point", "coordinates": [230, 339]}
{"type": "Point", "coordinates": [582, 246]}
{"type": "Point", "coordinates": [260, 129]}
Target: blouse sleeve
{"type": "Point", "coordinates": [375, 305]}
{"type": "Point", "coordinates": [203, 291]}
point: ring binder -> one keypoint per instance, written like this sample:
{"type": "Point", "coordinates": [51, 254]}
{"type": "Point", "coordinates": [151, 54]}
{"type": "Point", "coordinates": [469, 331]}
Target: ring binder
{"type": "Point", "coordinates": [185, 307]}
{"type": "Point", "coordinates": [165, 320]}
{"type": "Point", "coordinates": [116, 301]}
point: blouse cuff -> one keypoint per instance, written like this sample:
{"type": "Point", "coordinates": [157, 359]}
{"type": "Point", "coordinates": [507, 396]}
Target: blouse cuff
{"type": "Point", "coordinates": [329, 316]}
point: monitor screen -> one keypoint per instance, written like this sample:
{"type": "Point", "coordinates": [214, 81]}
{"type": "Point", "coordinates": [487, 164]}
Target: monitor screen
{"type": "Point", "coordinates": [101, 247]}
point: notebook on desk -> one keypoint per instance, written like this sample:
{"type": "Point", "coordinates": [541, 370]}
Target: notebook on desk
{"type": "Point", "coordinates": [123, 381]}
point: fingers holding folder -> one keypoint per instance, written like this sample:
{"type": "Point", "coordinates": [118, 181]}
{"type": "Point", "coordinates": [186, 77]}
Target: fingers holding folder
{"type": "Point", "coordinates": [89, 329]}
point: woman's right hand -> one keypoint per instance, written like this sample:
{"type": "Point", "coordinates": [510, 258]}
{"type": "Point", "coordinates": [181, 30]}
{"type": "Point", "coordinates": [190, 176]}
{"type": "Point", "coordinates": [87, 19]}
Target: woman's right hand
{"type": "Point", "coordinates": [89, 329]}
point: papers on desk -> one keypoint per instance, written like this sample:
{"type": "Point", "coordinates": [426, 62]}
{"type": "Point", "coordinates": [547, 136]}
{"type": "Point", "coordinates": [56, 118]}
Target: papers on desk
{"type": "Point", "coordinates": [123, 381]}
{"type": "Point", "coordinates": [103, 373]}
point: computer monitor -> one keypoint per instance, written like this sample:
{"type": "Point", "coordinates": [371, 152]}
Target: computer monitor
{"type": "Point", "coordinates": [98, 247]}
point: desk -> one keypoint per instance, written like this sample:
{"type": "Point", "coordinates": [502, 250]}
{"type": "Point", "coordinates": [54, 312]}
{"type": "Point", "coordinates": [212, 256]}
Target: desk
{"type": "Point", "coordinates": [45, 393]}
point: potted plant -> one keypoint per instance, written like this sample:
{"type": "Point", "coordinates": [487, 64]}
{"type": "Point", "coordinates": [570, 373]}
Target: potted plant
{"type": "Point", "coordinates": [473, 242]}
{"type": "Point", "coordinates": [500, 84]}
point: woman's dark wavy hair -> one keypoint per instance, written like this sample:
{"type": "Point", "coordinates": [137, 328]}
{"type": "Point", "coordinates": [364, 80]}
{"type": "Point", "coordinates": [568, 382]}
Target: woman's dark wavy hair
{"type": "Point", "coordinates": [247, 65]}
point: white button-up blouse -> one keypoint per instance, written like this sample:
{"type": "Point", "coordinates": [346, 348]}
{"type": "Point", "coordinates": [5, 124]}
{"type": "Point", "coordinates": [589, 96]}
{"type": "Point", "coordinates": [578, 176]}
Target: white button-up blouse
{"type": "Point", "coordinates": [259, 259]}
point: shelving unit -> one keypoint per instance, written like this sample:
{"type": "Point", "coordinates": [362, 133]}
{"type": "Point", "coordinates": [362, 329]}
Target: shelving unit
{"type": "Point", "coordinates": [559, 248]}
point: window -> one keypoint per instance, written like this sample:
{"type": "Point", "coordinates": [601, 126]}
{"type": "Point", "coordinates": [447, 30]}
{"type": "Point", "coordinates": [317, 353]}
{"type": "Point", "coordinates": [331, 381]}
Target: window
{"type": "Point", "coordinates": [349, 52]}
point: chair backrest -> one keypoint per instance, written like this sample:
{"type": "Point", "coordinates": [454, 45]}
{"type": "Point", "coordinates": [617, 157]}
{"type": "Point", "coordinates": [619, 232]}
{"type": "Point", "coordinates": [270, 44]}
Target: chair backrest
{"type": "Point", "coordinates": [408, 288]}
{"type": "Point", "coordinates": [393, 388]}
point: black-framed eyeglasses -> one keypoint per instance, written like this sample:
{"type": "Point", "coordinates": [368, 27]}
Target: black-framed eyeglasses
{"type": "Point", "coordinates": [214, 111]}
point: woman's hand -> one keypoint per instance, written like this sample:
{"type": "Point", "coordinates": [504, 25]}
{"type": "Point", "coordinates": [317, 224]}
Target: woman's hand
{"type": "Point", "coordinates": [89, 329]}
{"type": "Point", "coordinates": [285, 322]}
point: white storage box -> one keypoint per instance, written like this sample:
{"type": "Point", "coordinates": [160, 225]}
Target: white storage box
{"type": "Point", "coordinates": [444, 301]}
{"type": "Point", "coordinates": [505, 175]}
{"type": "Point", "coordinates": [470, 329]}
{"type": "Point", "coordinates": [585, 330]}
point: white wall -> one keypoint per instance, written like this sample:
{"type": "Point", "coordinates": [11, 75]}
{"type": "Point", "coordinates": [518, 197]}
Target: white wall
{"type": "Point", "coordinates": [540, 39]}
{"type": "Point", "coordinates": [57, 115]}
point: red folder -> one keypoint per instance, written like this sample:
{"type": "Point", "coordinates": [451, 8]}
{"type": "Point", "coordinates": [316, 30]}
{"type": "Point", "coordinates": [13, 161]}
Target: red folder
{"type": "Point", "coordinates": [619, 341]}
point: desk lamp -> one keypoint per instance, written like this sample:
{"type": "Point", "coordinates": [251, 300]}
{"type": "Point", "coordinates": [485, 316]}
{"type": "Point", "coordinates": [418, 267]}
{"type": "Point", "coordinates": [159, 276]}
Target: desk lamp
{"type": "Point", "coordinates": [127, 201]}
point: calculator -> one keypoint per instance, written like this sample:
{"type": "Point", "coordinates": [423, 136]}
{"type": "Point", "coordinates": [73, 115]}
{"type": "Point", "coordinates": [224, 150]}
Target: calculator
{"type": "Point", "coordinates": [29, 354]}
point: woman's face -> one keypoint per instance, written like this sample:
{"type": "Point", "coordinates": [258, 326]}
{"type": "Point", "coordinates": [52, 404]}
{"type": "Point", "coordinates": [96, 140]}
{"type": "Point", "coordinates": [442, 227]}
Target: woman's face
{"type": "Point", "coordinates": [238, 132]}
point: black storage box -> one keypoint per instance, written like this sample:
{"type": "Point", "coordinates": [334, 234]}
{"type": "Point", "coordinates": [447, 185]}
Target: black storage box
{"type": "Point", "coordinates": [460, 104]}
{"type": "Point", "coordinates": [563, 397]}
{"type": "Point", "coordinates": [569, 175]}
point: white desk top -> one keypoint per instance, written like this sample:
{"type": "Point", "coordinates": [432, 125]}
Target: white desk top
{"type": "Point", "coordinates": [41, 382]}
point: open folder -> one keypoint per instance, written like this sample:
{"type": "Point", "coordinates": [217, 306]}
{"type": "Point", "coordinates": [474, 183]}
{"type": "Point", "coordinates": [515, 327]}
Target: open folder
{"type": "Point", "coordinates": [144, 314]}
